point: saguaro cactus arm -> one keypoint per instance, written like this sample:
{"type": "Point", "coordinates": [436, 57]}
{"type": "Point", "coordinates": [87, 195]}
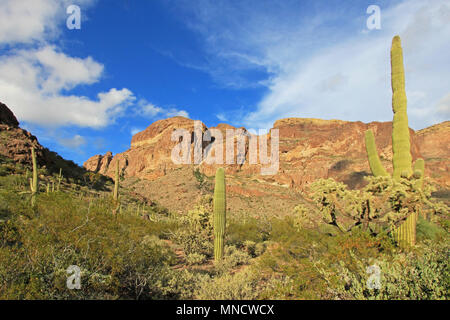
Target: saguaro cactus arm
{"type": "Point", "coordinates": [219, 214]}
{"type": "Point", "coordinates": [374, 161]}
{"type": "Point", "coordinates": [419, 171]}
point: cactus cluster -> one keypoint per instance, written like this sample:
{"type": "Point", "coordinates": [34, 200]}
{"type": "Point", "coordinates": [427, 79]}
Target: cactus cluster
{"type": "Point", "coordinates": [219, 214]}
{"type": "Point", "coordinates": [402, 159]}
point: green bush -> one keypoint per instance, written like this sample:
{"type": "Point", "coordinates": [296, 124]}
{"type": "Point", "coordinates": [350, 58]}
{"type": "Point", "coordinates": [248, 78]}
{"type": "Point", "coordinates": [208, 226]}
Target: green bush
{"type": "Point", "coordinates": [427, 230]}
{"type": "Point", "coordinates": [195, 231]}
{"type": "Point", "coordinates": [424, 274]}
{"type": "Point", "coordinates": [239, 286]}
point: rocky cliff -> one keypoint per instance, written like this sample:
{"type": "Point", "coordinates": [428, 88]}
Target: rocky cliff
{"type": "Point", "coordinates": [16, 144]}
{"type": "Point", "coordinates": [309, 149]}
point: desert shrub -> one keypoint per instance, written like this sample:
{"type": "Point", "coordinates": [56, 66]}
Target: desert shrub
{"type": "Point", "coordinates": [195, 258]}
{"type": "Point", "coordinates": [381, 205]}
{"type": "Point", "coordinates": [181, 284]}
{"type": "Point", "coordinates": [116, 254]}
{"type": "Point", "coordinates": [428, 230]}
{"type": "Point", "coordinates": [296, 254]}
{"type": "Point", "coordinates": [251, 229]}
{"type": "Point", "coordinates": [239, 286]}
{"type": "Point", "coordinates": [254, 249]}
{"type": "Point", "coordinates": [233, 258]}
{"type": "Point", "coordinates": [423, 274]}
{"type": "Point", "coordinates": [195, 230]}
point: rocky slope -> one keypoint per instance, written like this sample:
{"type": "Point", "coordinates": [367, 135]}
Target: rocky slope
{"type": "Point", "coordinates": [16, 144]}
{"type": "Point", "coordinates": [309, 149]}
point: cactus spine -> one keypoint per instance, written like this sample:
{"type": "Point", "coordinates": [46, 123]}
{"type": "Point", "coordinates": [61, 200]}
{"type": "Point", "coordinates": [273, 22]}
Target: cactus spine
{"type": "Point", "coordinates": [405, 234]}
{"type": "Point", "coordinates": [34, 181]}
{"type": "Point", "coordinates": [219, 214]}
{"type": "Point", "coordinates": [116, 183]}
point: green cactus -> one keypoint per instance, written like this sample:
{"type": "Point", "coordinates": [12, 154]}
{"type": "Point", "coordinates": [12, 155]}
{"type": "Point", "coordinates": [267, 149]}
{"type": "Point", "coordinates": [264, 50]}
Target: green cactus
{"type": "Point", "coordinates": [219, 214]}
{"type": "Point", "coordinates": [116, 183]}
{"type": "Point", "coordinates": [34, 181]}
{"type": "Point", "coordinates": [401, 147]}
{"type": "Point", "coordinates": [374, 161]}
{"type": "Point", "coordinates": [405, 234]}
{"type": "Point", "coordinates": [400, 131]}
{"type": "Point", "coordinates": [419, 171]}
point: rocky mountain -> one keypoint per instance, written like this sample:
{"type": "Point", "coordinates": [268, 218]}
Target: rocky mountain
{"type": "Point", "coordinates": [16, 144]}
{"type": "Point", "coordinates": [309, 149]}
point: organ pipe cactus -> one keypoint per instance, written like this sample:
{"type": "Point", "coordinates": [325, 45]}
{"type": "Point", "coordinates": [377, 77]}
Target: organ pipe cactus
{"type": "Point", "coordinates": [401, 147]}
{"type": "Point", "coordinates": [34, 181]}
{"type": "Point", "coordinates": [219, 214]}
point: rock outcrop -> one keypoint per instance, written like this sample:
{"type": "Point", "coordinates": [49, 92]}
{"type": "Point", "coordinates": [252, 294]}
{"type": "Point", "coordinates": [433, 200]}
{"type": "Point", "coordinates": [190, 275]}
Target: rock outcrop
{"type": "Point", "coordinates": [16, 144]}
{"type": "Point", "coordinates": [434, 144]}
{"type": "Point", "coordinates": [309, 149]}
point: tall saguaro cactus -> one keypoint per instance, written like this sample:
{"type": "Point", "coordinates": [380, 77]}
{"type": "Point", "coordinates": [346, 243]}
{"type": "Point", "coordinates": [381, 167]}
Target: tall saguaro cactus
{"type": "Point", "coordinates": [219, 214]}
{"type": "Point", "coordinates": [116, 183]}
{"type": "Point", "coordinates": [34, 181]}
{"type": "Point", "coordinates": [400, 130]}
{"type": "Point", "coordinates": [401, 147]}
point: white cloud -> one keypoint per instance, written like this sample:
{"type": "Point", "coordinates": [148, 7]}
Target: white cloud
{"type": "Point", "coordinates": [150, 110]}
{"type": "Point", "coordinates": [444, 106]}
{"type": "Point", "coordinates": [35, 81]}
{"type": "Point", "coordinates": [26, 21]}
{"type": "Point", "coordinates": [74, 142]}
{"type": "Point", "coordinates": [32, 83]}
{"type": "Point", "coordinates": [319, 62]}
{"type": "Point", "coordinates": [222, 117]}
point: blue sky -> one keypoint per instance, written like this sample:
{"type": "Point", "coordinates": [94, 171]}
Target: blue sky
{"type": "Point", "coordinates": [85, 92]}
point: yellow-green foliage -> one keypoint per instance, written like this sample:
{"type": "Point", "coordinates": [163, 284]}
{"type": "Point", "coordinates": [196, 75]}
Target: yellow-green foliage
{"type": "Point", "coordinates": [402, 159]}
{"type": "Point", "coordinates": [374, 161]}
{"type": "Point", "coordinates": [419, 171]}
{"type": "Point", "coordinates": [195, 229]}
{"type": "Point", "coordinates": [383, 204]}
{"type": "Point", "coordinates": [117, 257]}
{"type": "Point", "coordinates": [220, 208]}
{"type": "Point", "coordinates": [418, 275]}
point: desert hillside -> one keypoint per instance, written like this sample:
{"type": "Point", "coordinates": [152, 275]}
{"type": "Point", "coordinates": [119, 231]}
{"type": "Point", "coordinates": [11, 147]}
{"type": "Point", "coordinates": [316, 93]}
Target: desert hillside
{"type": "Point", "coordinates": [310, 149]}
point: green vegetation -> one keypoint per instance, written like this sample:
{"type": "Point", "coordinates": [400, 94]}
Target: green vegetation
{"type": "Point", "coordinates": [220, 208]}
{"type": "Point", "coordinates": [405, 233]}
{"type": "Point", "coordinates": [328, 248]}
{"type": "Point", "coordinates": [306, 255]}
